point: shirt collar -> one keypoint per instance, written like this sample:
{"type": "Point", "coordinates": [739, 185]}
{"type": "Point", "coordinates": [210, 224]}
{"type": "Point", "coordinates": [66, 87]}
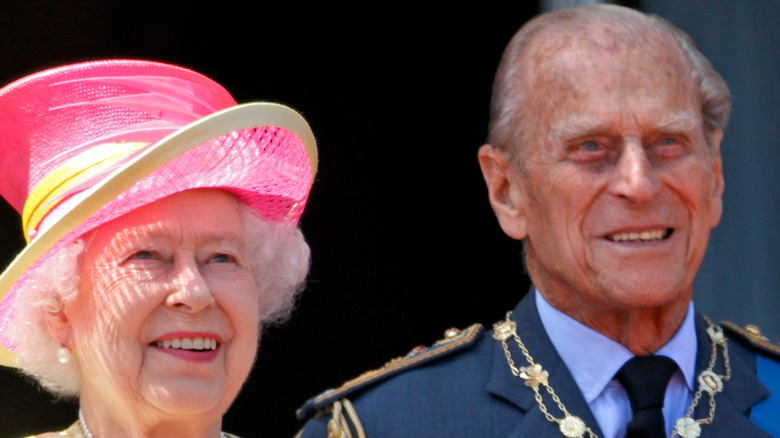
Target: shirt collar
{"type": "Point", "coordinates": [593, 359]}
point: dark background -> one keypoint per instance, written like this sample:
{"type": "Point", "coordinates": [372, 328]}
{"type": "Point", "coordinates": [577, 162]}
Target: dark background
{"type": "Point", "coordinates": [403, 239]}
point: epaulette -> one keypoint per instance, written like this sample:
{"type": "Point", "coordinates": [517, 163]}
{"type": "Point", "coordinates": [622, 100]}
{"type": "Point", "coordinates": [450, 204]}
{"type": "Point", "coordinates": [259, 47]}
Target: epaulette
{"type": "Point", "coordinates": [454, 340]}
{"type": "Point", "coordinates": [751, 336]}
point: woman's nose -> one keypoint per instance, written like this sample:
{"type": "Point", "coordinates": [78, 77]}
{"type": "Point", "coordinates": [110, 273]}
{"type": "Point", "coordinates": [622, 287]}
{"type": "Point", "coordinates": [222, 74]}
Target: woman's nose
{"type": "Point", "coordinates": [190, 292]}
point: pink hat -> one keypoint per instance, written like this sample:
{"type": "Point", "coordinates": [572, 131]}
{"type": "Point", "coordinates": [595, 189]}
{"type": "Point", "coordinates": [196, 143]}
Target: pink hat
{"type": "Point", "coordinates": [83, 144]}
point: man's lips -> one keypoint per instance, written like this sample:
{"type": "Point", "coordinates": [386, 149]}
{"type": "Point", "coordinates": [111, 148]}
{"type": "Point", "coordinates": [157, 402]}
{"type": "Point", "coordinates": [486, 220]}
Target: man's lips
{"type": "Point", "coordinates": [641, 236]}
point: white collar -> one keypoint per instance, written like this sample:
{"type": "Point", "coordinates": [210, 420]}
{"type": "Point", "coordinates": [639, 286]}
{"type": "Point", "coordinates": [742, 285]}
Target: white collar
{"type": "Point", "coordinates": [593, 359]}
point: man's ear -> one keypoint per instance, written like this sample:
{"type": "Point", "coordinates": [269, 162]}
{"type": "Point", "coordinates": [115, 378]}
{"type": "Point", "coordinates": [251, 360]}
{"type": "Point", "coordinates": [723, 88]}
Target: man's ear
{"type": "Point", "coordinates": [507, 196]}
{"type": "Point", "coordinates": [60, 328]}
{"type": "Point", "coordinates": [718, 184]}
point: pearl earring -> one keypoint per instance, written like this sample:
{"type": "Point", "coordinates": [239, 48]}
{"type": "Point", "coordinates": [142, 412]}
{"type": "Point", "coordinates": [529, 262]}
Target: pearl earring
{"type": "Point", "coordinates": [63, 355]}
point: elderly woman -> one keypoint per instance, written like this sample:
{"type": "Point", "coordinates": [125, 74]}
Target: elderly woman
{"type": "Point", "coordinates": [161, 225]}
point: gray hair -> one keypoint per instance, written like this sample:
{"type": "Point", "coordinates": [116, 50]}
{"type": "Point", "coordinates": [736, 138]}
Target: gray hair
{"type": "Point", "coordinates": [510, 126]}
{"type": "Point", "coordinates": [279, 261]}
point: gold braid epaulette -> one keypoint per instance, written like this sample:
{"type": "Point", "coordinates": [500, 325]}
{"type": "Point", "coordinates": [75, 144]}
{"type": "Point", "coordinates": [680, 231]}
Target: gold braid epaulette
{"type": "Point", "coordinates": [752, 335]}
{"type": "Point", "coordinates": [344, 421]}
{"type": "Point", "coordinates": [340, 425]}
{"type": "Point", "coordinates": [453, 339]}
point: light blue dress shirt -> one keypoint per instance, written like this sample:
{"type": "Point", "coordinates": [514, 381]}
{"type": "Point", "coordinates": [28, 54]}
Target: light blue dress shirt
{"type": "Point", "coordinates": [593, 360]}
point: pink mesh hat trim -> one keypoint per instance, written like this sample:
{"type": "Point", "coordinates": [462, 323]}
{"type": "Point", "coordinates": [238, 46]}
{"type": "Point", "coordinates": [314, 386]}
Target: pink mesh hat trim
{"type": "Point", "coordinates": [57, 114]}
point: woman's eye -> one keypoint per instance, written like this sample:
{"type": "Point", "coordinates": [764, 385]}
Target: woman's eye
{"type": "Point", "coordinates": [143, 255]}
{"type": "Point", "coordinates": [668, 141]}
{"type": "Point", "coordinates": [223, 258]}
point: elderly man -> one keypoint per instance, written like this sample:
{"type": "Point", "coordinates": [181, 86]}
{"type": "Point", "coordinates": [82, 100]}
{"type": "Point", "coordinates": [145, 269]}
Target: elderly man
{"type": "Point", "coordinates": [604, 159]}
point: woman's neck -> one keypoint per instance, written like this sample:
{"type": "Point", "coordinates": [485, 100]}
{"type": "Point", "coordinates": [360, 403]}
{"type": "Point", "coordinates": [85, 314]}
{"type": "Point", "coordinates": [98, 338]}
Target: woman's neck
{"type": "Point", "coordinates": [99, 423]}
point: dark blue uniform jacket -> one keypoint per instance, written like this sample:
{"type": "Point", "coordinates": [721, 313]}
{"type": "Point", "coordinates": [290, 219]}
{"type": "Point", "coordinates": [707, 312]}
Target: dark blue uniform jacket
{"type": "Point", "coordinates": [462, 387]}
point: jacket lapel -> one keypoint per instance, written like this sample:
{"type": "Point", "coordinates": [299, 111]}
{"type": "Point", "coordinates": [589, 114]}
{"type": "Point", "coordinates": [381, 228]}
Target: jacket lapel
{"type": "Point", "coordinates": [743, 390]}
{"type": "Point", "coordinates": [531, 422]}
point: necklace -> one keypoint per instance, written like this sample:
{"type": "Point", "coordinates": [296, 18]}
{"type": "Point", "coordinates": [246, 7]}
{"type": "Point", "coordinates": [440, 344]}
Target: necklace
{"type": "Point", "coordinates": [88, 434]}
{"type": "Point", "coordinates": [572, 426]}
{"type": "Point", "coordinates": [83, 424]}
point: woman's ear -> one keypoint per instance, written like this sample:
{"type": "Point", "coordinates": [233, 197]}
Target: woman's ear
{"type": "Point", "coordinates": [506, 193]}
{"type": "Point", "coordinates": [59, 327]}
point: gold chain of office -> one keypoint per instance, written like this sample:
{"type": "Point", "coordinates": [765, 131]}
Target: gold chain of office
{"type": "Point", "coordinates": [572, 426]}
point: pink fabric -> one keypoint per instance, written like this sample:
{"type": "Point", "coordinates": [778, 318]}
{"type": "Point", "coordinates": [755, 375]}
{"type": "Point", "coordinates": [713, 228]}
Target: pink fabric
{"type": "Point", "coordinates": [54, 115]}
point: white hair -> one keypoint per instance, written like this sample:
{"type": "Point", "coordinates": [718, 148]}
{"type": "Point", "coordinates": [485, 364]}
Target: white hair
{"type": "Point", "coordinates": [278, 259]}
{"type": "Point", "coordinates": [512, 126]}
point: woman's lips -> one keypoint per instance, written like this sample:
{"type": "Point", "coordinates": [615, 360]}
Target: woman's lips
{"type": "Point", "coordinates": [198, 343]}
{"type": "Point", "coordinates": [200, 347]}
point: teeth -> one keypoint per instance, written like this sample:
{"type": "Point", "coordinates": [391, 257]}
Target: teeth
{"type": "Point", "coordinates": [644, 236]}
{"type": "Point", "coordinates": [188, 343]}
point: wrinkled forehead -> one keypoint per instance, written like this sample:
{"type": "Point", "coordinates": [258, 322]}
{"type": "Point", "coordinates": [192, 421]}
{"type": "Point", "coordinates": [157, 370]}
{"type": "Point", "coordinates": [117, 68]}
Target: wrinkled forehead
{"type": "Point", "coordinates": [559, 55]}
{"type": "Point", "coordinates": [202, 215]}
{"type": "Point", "coordinates": [578, 70]}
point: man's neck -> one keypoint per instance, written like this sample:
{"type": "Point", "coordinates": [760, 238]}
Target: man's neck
{"type": "Point", "coordinates": [642, 331]}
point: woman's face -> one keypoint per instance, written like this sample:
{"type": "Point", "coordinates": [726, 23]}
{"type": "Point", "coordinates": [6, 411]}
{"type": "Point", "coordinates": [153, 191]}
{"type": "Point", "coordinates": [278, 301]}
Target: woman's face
{"type": "Point", "coordinates": [165, 324]}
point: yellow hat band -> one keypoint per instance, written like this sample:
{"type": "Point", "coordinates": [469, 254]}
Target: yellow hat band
{"type": "Point", "coordinates": [61, 182]}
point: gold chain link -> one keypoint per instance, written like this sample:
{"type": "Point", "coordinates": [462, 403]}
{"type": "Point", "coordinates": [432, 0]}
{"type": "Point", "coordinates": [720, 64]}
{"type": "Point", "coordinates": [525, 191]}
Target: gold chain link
{"type": "Point", "coordinates": [574, 427]}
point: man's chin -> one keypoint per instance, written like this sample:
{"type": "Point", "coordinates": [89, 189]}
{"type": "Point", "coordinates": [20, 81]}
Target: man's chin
{"type": "Point", "coordinates": [647, 294]}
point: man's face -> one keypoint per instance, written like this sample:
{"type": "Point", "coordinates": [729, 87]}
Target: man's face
{"type": "Point", "coordinates": [618, 189]}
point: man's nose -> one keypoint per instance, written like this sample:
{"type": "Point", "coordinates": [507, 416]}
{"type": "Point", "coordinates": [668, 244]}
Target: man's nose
{"type": "Point", "coordinates": [635, 179]}
{"type": "Point", "coordinates": [189, 291]}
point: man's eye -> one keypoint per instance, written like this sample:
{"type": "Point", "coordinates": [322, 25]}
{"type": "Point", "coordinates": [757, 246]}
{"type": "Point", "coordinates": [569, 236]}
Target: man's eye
{"type": "Point", "coordinates": [588, 151]}
{"type": "Point", "coordinates": [589, 146]}
{"type": "Point", "coordinates": [668, 148]}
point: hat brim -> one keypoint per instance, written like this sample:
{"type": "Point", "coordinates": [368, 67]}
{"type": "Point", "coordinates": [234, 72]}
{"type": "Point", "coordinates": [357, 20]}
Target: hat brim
{"type": "Point", "coordinates": [245, 116]}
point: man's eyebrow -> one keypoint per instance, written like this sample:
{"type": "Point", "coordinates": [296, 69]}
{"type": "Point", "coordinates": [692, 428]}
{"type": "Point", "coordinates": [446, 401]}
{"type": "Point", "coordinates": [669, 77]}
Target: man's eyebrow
{"type": "Point", "coordinates": [678, 122]}
{"type": "Point", "coordinates": [576, 126]}
{"type": "Point", "coordinates": [580, 126]}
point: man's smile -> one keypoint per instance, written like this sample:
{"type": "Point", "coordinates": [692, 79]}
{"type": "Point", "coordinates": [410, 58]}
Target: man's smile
{"type": "Point", "coordinates": [643, 236]}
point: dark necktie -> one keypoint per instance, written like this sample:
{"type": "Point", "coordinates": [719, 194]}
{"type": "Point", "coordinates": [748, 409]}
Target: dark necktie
{"type": "Point", "coordinates": [645, 379]}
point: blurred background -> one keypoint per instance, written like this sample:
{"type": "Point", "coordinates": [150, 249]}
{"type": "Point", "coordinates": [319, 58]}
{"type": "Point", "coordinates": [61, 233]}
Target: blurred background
{"type": "Point", "coordinates": [404, 242]}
